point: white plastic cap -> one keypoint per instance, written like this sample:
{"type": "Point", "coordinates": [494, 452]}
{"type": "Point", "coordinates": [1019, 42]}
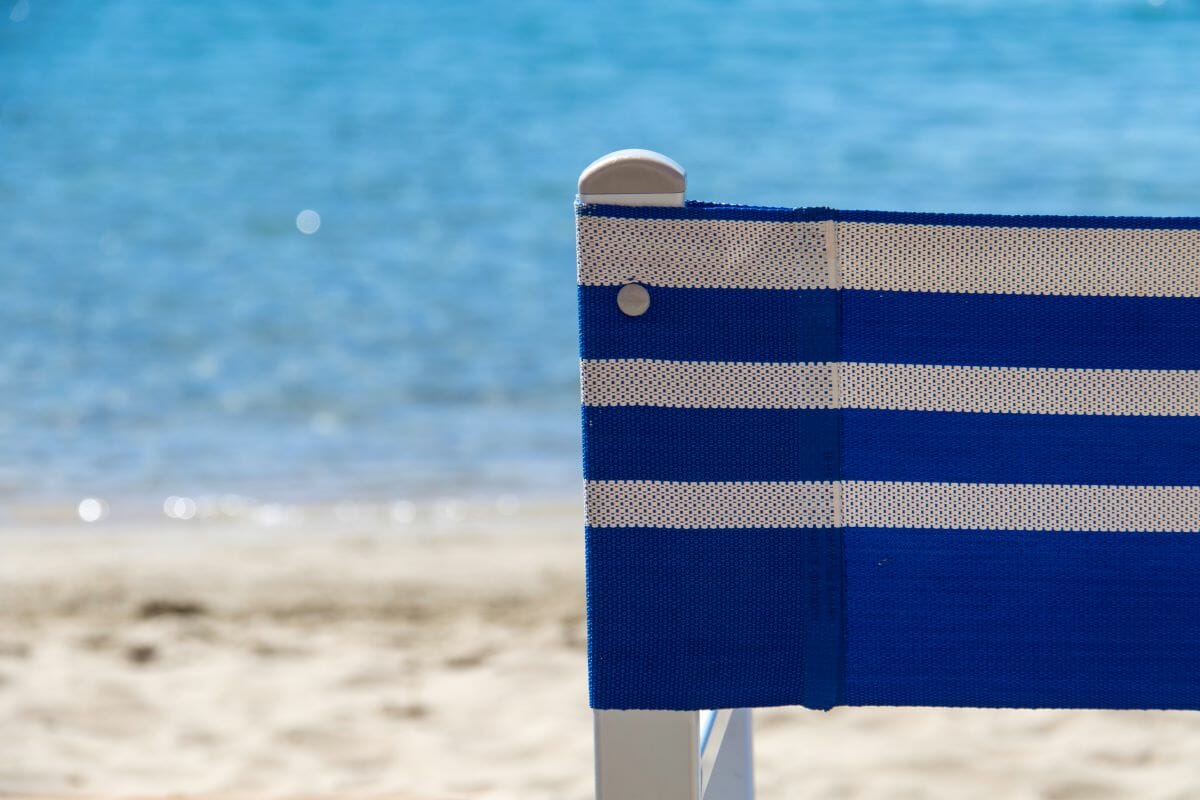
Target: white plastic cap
{"type": "Point", "coordinates": [633, 178]}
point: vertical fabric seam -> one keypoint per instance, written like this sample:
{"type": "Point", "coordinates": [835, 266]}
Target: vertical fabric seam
{"type": "Point", "coordinates": [834, 267]}
{"type": "Point", "coordinates": [824, 572]}
{"type": "Point", "coordinates": [839, 373]}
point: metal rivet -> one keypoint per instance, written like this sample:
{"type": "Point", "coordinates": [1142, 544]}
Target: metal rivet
{"type": "Point", "coordinates": [633, 299]}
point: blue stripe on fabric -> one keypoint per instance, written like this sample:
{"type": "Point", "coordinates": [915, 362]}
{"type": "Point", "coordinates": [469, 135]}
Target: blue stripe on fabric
{"type": "Point", "coordinates": [1022, 619]}
{"type": "Point", "coordinates": [709, 444]}
{"type": "Point", "coordinates": [714, 618]}
{"type": "Point", "coordinates": [884, 445]}
{"type": "Point", "coordinates": [707, 211]}
{"type": "Point", "coordinates": [1020, 220]}
{"type": "Point", "coordinates": [1021, 330]}
{"type": "Point", "coordinates": [720, 211]}
{"type": "Point", "coordinates": [712, 325]}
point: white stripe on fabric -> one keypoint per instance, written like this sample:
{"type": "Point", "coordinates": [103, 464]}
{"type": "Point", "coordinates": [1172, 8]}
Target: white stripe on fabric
{"type": "Point", "coordinates": [691, 253]}
{"type": "Point", "coordinates": [880, 256]}
{"type": "Point", "coordinates": [677, 504]}
{"type": "Point", "coordinates": [910, 387]}
{"type": "Point", "coordinates": [1038, 507]}
{"type": "Point", "coordinates": [1021, 390]}
{"type": "Point", "coordinates": [1015, 260]}
{"type": "Point", "coordinates": [880, 504]}
{"type": "Point", "coordinates": [708, 384]}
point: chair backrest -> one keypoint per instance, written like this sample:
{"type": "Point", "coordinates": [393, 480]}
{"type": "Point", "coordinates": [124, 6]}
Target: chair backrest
{"type": "Point", "coordinates": [872, 458]}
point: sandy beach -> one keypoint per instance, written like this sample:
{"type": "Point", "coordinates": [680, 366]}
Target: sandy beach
{"type": "Point", "coordinates": [325, 660]}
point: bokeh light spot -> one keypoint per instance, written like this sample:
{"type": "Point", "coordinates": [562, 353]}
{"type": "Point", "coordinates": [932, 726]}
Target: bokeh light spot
{"type": "Point", "coordinates": [308, 221]}
{"type": "Point", "coordinates": [403, 512]}
{"type": "Point", "coordinates": [92, 509]}
{"type": "Point", "coordinates": [179, 507]}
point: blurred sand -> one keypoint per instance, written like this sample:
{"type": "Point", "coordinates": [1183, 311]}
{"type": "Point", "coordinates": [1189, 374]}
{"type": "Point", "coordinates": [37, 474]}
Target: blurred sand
{"type": "Point", "coordinates": [214, 661]}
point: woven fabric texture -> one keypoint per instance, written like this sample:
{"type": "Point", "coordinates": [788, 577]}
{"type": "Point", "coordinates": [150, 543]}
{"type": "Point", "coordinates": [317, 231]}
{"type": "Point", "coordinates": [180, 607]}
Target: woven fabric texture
{"type": "Point", "coordinates": [862, 458]}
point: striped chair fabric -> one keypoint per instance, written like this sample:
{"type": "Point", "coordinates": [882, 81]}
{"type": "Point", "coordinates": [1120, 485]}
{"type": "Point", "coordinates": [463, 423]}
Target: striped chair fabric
{"type": "Point", "coordinates": [864, 458]}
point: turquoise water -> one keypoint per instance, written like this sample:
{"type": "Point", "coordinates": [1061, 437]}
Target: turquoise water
{"type": "Point", "coordinates": [168, 329]}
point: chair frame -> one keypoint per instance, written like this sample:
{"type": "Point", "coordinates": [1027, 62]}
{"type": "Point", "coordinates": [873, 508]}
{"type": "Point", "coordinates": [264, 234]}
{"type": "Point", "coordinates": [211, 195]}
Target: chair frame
{"type": "Point", "coordinates": [663, 755]}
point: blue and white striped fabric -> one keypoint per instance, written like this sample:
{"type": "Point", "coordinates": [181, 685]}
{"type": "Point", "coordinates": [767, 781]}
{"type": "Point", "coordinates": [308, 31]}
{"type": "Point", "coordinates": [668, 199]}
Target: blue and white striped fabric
{"type": "Point", "coordinates": [851, 458]}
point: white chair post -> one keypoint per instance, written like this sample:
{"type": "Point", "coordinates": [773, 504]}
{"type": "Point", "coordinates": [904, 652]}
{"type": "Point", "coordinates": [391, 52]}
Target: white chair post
{"type": "Point", "coordinates": [662, 755]}
{"type": "Point", "coordinates": [647, 755]}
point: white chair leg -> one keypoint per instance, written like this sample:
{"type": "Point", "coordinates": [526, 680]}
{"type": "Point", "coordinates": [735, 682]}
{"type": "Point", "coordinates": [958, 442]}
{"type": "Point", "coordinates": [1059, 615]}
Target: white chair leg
{"type": "Point", "coordinates": [727, 762]}
{"type": "Point", "coordinates": [659, 755]}
{"type": "Point", "coordinates": [647, 755]}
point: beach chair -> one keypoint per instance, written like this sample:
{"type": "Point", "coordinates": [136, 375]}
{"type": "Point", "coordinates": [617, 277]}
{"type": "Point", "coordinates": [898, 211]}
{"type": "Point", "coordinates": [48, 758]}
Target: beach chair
{"type": "Point", "coordinates": [873, 458]}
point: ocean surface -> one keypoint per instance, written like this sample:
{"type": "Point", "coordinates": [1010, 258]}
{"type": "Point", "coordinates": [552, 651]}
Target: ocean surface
{"type": "Point", "coordinates": [175, 323]}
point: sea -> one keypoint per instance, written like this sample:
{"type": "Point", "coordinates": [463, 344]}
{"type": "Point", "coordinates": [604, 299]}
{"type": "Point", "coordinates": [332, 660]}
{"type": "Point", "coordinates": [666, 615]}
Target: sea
{"type": "Point", "coordinates": [289, 254]}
